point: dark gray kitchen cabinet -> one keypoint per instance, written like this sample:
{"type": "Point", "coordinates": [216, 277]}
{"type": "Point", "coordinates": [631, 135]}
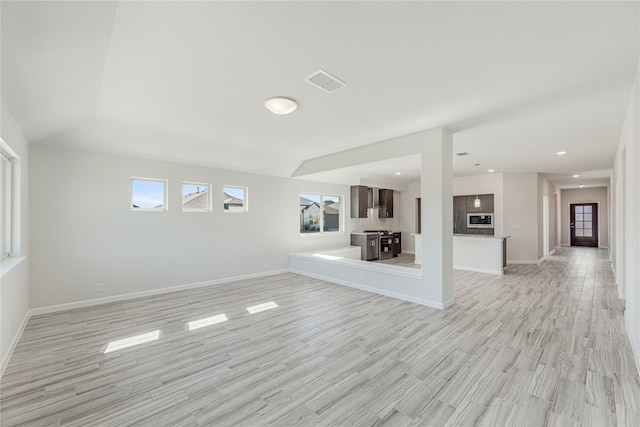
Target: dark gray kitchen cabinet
{"type": "Point", "coordinates": [460, 214]}
{"type": "Point", "coordinates": [487, 202]}
{"type": "Point", "coordinates": [386, 204]}
{"type": "Point", "coordinates": [359, 196]}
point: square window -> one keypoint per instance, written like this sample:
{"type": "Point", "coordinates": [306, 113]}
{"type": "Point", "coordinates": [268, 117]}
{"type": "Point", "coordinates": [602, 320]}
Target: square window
{"type": "Point", "coordinates": [196, 197]}
{"type": "Point", "coordinates": [320, 213]}
{"type": "Point", "coordinates": [148, 194]}
{"type": "Point", "coordinates": [235, 199]}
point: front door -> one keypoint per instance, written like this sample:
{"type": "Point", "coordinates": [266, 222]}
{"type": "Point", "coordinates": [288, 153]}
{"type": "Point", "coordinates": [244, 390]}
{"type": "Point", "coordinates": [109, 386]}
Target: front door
{"type": "Point", "coordinates": [584, 224]}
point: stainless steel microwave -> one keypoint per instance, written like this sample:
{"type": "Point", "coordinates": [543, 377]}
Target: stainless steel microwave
{"type": "Point", "coordinates": [480, 220]}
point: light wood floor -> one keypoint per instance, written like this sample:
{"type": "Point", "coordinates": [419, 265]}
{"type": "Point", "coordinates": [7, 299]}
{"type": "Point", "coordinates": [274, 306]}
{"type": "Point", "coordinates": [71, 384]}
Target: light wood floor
{"type": "Point", "coordinates": [542, 345]}
{"type": "Point", "coordinates": [403, 260]}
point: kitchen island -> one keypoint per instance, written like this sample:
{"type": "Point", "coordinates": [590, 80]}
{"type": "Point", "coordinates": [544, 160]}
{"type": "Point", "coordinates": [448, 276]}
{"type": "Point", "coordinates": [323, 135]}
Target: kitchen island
{"type": "Point", "coordinates": [481, 253]}
{"type": "Point", "coordinates": [474, 252]}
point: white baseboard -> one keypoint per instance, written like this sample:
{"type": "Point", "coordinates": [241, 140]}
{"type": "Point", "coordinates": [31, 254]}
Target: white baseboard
{"type": "Point", "coordinates": [408, 252]}
{"type": "Point", "coordinates": [525, 261]}
{"type": "Point", "coordinates": [636, 352]}
{"type": "Point", "coordinates": [14, 343]}
{"type": "Point", "coordinates": [391, 294]}
{"type": "Point", "coordinates": [123, 297]}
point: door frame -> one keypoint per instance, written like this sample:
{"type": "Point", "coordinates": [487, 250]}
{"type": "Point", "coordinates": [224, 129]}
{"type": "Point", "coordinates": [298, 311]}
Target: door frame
{"type": "Point", "coordinates": [573, 240]}
{"type": "Point", "coordinates": [545, 226]}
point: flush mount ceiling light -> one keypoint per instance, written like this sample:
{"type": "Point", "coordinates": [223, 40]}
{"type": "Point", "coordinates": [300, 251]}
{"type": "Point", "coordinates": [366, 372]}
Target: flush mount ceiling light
{"type": "Point", "coordinates": [492, 170]}
{"type": "Point", "coordinates": [398, 173]}
{"type": "Point", "coordinates": [576, 176]}
{"type": "Point", "coordinates": [561, 153]}
{"type": "Point", "coordinates": [281, 105]}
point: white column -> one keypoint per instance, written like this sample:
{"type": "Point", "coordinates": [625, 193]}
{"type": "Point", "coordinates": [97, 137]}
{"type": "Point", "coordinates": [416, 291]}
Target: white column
{"type": "Point", "coordinates": [437, 217]}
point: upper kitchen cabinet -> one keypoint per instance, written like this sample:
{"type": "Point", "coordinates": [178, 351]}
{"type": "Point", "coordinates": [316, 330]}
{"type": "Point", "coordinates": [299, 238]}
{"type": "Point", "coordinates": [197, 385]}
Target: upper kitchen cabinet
{"type": "Point", "coordinates": [359, 195]}
{"type": "Point", "coordinates": [486, 203]}
{"type": "Point", "coordinates": [386, 204]}
{"type": "Point", "coordinates": [486, 200]}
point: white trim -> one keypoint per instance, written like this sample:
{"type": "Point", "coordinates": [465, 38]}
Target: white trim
{"type": "Point", "coordinates": [408, 252]}
{"type": "Point", "coordinates": [124, 297]}
{"type": "Point", "coordinates": [14, 343]}
{"type": "Point", "coordinates": [378, 291]}
{"type": "Point", "coordinates": [525, 261]}
{"type": "Point", "coordinates": [479, 270]}
{"type": "Point", "coordinates": [397, 270]}
{"type": "Point", "coordinates": [553, 251]}
{"type": "Point", "coordinates": [636, 355]}
{"type": "Point", "coordinates": [9, 263]}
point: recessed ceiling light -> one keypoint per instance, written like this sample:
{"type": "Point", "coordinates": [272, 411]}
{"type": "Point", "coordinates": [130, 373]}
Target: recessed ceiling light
{"type": "Point", "coordinates": [476, 164]}
{"type": "Point", "coordinates": [281, 105]}
{"type": "Point", "coordinates": [576, 176]}
{"type": "Point", "coordinates": [492, 170]}
{"type": "Point", "coordinates": [398, 173]}
{"type": "Point", "coordinates": [581, 185]}
{"type": "Point", "coordinates": [561, 153]}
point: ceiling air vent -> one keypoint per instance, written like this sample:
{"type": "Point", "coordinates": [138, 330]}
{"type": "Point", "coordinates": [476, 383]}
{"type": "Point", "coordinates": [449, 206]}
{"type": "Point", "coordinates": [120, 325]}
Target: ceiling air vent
{"type": "Point", "coordinates": [325, 81]}
{"type": "Point", "coordinates": [464, 153]}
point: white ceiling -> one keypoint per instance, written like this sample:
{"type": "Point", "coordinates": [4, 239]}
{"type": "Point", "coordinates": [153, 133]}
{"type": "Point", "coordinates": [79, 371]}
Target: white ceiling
{"type": "Point", "coordinates": [186, 81]}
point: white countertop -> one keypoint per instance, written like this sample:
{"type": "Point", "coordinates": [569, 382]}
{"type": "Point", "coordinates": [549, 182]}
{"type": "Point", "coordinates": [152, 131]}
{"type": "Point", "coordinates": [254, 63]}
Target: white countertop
{"type": "Point", "coordinates": [479, 236]}
{"type": "Point", "coordinates": [372, 232]}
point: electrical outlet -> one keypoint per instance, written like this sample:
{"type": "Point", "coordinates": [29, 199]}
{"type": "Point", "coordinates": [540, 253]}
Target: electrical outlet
{"type": "Point", "coordinates": [99, 287]}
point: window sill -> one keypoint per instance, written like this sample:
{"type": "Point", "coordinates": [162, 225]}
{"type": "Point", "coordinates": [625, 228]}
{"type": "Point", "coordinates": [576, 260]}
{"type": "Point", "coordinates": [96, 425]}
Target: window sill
{"type": "Point", "coordinates": [315, 235]}
{"type": "Point", "coordinates": [9, 263]}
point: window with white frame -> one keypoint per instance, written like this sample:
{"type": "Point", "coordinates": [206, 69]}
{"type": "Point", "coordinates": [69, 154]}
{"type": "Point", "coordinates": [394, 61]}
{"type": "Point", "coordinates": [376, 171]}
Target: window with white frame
{"type": "Point", "coordinates": [196, 197]}
{"type": "Point", "coordinates": [320, 213]}
{"type": "Point", "coordinates": [236, 199]}
{"type": "Point", "coordinates": [148, 194]}
{"type": "Point", "coordinates": [5, 203]}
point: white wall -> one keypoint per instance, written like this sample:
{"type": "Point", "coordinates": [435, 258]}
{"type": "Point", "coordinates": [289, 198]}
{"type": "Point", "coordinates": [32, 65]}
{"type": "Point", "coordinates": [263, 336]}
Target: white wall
{"type": "Point", "coordinates": [626, 240]}
{"type": "Point", "coordinates": [520, 209]}
{"type": "Point", "coordinates": [14, 285]}
{"type": "Point", "coordinates": [585, 195]}
{"type": "Point", "coordinates": [84, 232]}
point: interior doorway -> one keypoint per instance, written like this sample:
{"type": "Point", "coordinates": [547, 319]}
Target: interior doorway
{"type": "Point", "coordinates": [584, 224]}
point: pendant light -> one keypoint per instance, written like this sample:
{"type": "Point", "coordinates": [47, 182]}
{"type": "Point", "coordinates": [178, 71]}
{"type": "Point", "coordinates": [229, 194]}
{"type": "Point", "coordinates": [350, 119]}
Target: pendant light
{"type": "Point", "coordinates": [476, 203]}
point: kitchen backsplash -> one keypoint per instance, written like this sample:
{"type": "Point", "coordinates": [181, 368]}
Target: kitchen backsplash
{"type": "Point", "coordinates": [360, 224]}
